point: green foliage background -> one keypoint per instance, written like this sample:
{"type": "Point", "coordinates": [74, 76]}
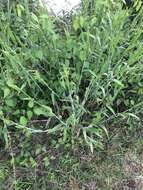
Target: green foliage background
{"type": "Point", "coordinates": [79, 77]}
{"type": "Point", "coordinates": [74, 82]}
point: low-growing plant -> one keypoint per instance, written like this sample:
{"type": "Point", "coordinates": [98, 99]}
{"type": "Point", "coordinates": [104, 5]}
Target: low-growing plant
{"type": "Point", "coordinates": [74, 81]}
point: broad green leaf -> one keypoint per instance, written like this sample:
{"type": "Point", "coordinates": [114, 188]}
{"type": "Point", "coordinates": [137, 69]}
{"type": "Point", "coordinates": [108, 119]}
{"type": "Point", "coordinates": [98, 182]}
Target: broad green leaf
{"type": "Point", "coordinates": [17, 112]}
{"type": "Point", "coordinates": [29, 114]}
{"type": "Point", "coordinates": [44, 110]}
{"type": "Point", "coordinates": [11, 102]}
{"type": "Point", "coordinates": [39, 111]}
{"type": "Point", "coordinates": [48, 110]}
{"type": "Point", "coordinates": [76, 24]}
{"type": "Point", "coordinates": [11, 84]}
{"type": "Point", "coordinates": [6, 92]}
{"type": "Point", "coordinates": [23, 121]}
{"type": "Point", "coordinates": [30, 104]}
{"type": "Point", "coordinates": [1, 113]}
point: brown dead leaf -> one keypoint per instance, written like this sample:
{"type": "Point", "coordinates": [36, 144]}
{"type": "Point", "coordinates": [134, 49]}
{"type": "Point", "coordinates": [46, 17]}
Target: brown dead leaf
{"type": "Point", "coordinates": [73, 184]}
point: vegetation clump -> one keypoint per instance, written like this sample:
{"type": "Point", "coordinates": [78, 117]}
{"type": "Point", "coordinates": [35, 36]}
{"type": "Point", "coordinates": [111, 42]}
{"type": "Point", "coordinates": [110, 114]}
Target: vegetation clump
{"type": "Point", "coordinates": [75, 81]}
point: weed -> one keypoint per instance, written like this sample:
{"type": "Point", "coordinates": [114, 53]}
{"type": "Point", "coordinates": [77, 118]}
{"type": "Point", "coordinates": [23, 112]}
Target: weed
{"type": "Point", "coordinates": [74, 80]}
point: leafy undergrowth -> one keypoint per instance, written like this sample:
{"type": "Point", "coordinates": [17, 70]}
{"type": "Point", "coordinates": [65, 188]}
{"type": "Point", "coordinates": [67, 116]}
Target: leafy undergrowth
{"type": "Point", "coordinates": [74, 77]}
{"type": "Point", "coordinates": [48, 166]}
{"type": "Point", "coordinates": [68, 87]}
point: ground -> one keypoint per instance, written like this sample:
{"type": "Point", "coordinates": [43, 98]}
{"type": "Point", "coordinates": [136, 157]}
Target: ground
{"type": "Point", "coordinates": [118, 167]}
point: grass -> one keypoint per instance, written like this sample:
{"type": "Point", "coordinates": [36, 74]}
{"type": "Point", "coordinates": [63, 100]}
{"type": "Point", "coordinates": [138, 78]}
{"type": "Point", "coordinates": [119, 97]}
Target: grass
{"type": "Point", "coordinates": [68, 86]}
{"type": "Point", "coordinates": [63, 168]}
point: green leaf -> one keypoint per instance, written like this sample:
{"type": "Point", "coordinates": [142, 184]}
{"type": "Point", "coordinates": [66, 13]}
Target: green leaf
{"type": "Point", "coordinates": [95, 131]}
{"type": "Point", "coordinates": [91, 147]}
{"type": "Point", "coordinates": [29, 114]}
{"type": "Point", "coordinates": [23, 120]}
{"type": "Point", "coordinates": [85, 135]}
{"type": "Point", "coordinates": [81, 20]}
{"type": "Point", "coordinates": [19, 9]}
{"type": "Point", "coordinates": [111, 109]}
{"type": "Point", "coordinates": [82, 55]}
{"type": "Point", "coordinates": [6, 92]}
{"type": "Point", "coordinates": [48, 110]}
{"type": "Point", "coordinates": [134, 116]}
{"type": "Point", "coordinates": [39, 54]}
{"type": "Point", "coordinates": [33, 162]}
{"type": "Point", "coordinates": [1, 113]}
{"type": "Point", "coordinates": [38, 111]}
{"type": "Point", "coordinates": [5, 134]}
{"type": "Point", "coordinates": [44, 110]}
{"type": "Point", "coordinates": [11, 84]}
{"type": "Point", "coordinates": [17, 112]}
{"type": "Point", "coordinates": [7, 122]}
{"type": "Point", "coordinates": [30, 104]}
{"type": "Point", "coordinates": [137, 4]}
{"type": "Point", "coordinates": [105, 130]}
{"type": "Point", "coordinates": [76, 24]}
{"type": "Point", "coordinates": [118, 82]}
{"type": "Point", "coordinates": [46, 161]}
{"type": "Point", "coordinates": [34, 17]}
{"type": "Point", "coordinates": [11, 102]}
